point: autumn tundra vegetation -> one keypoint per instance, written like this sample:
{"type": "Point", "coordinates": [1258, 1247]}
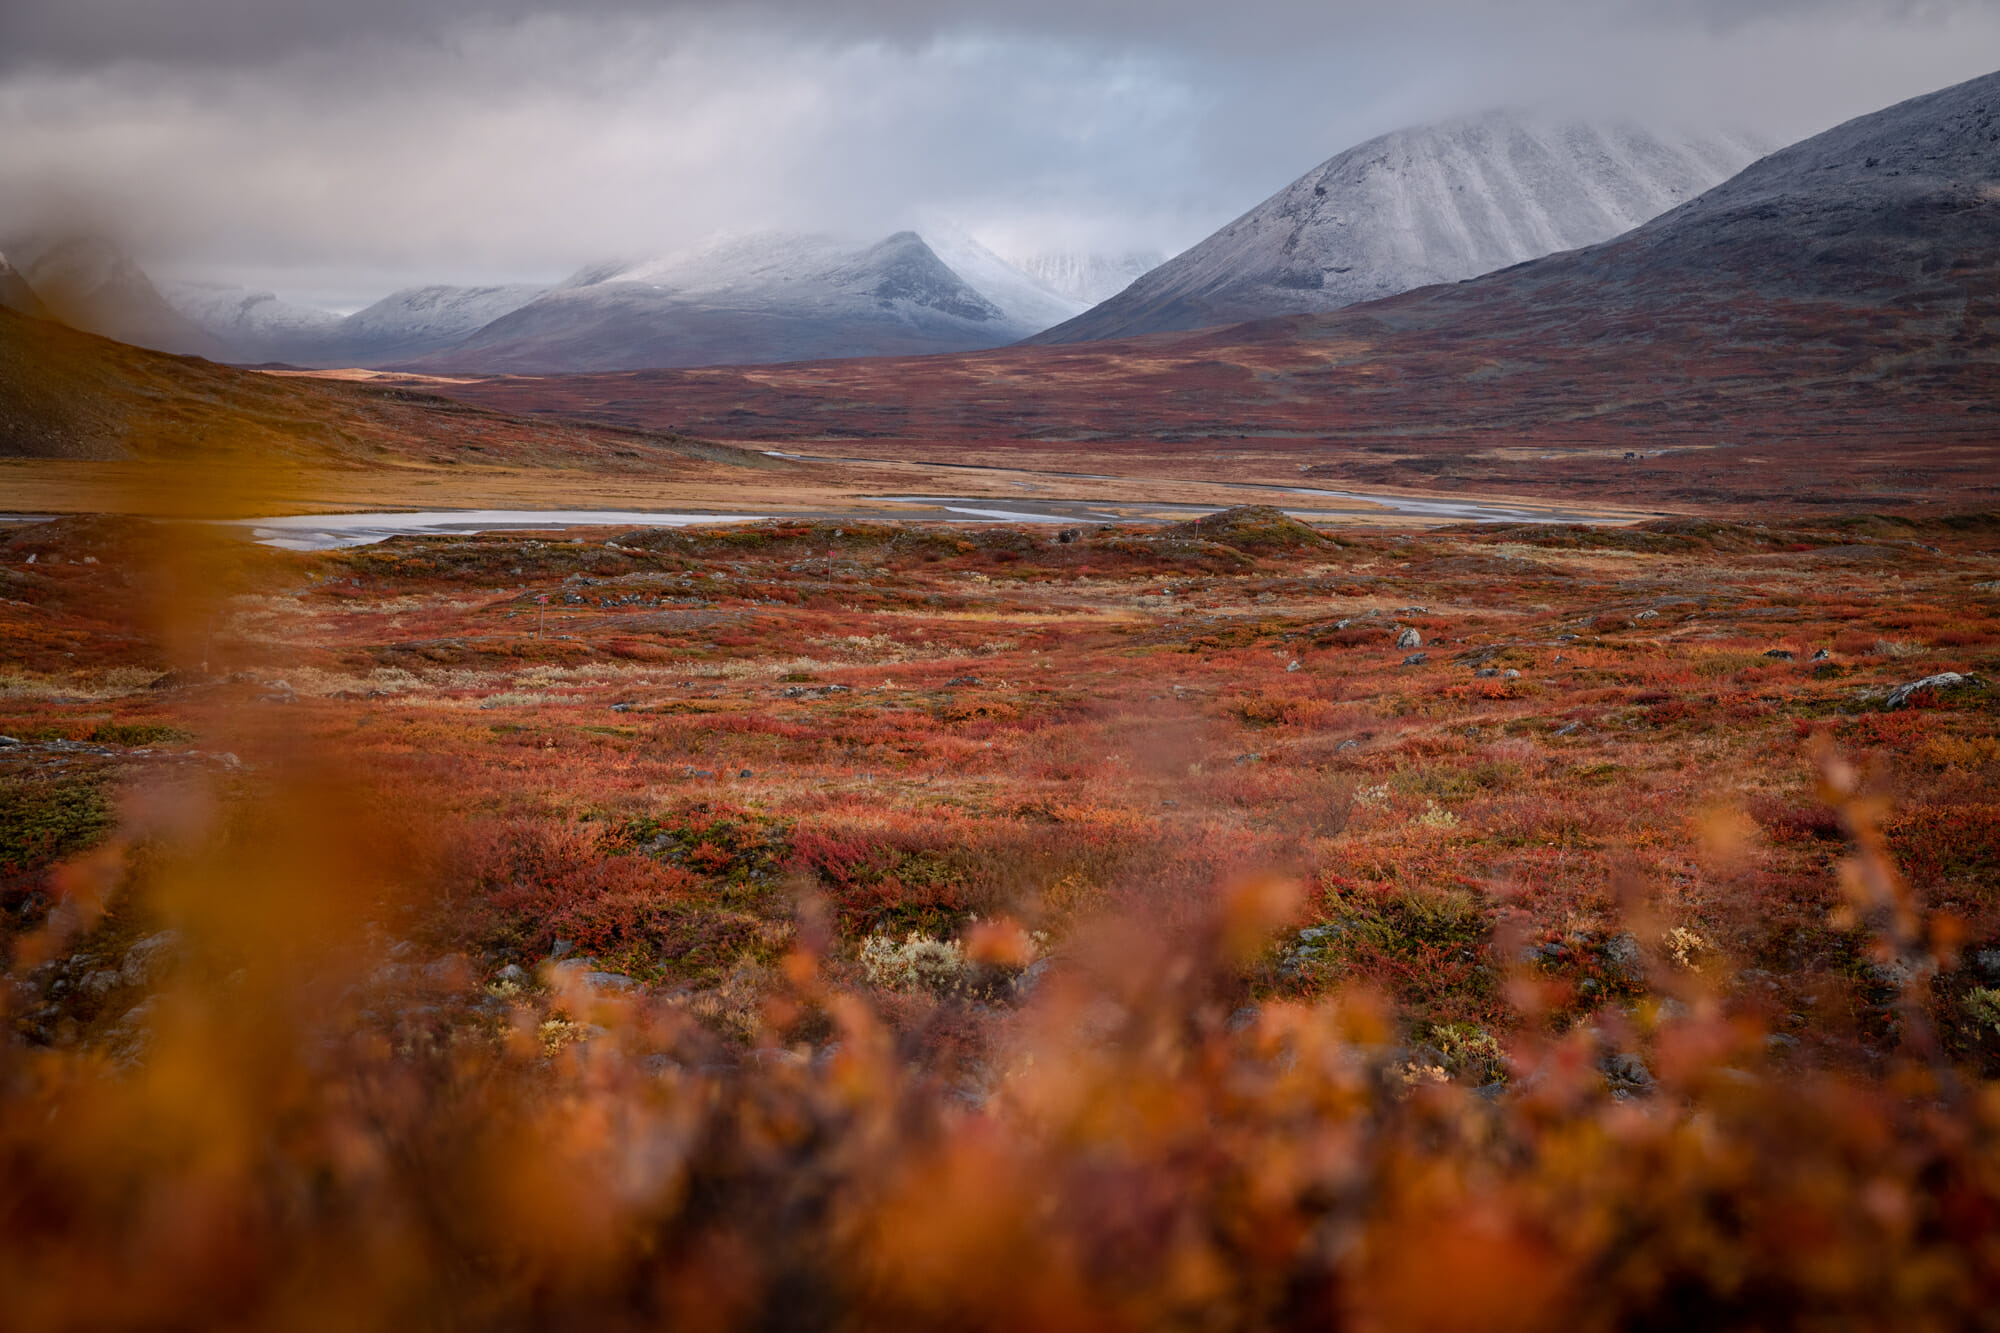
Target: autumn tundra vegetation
{"type": "Point", "coordinates": [828, 923]}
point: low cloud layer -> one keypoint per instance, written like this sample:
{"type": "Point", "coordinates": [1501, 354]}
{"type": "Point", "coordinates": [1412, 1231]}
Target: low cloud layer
{"type": "Point", "coordinates": [334, 152]}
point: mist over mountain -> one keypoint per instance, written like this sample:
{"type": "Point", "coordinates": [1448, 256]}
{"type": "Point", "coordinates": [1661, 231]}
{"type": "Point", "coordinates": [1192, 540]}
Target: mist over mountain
{"type": "Point", "coordinates": [1435, 203]}
{"type": "Point", "coordinates": [17, 295]}
{"type": "Point", "coordinates": [90, 284]}
{"type": "Point", "coordinates": [1086, 277]}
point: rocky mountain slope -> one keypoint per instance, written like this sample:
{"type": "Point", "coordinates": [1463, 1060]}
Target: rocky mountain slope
{"type": "Point", "coordinates": [1438, 203]}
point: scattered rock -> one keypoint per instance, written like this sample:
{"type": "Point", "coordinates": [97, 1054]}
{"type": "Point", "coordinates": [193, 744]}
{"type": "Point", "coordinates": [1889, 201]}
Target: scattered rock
{"type": "Point", "coordinates": [965, 680]}
{"type": "Point", "coordinates": [148, 960]}
{"type": "Point", "coordinates": [1510, 674]}
{"type": "Point", "coordinates": [1944, 680]}
{"type": "Point", "coordinates": [1779, 654]}
{"type": "Point", "coordinates": [1646, 615]}
{"type": "Point", "coordinates": [1409, 638]}
{"type": "Point", "coordinates": [562, 949]}
{"type": "Point", "coordinates": [615, 982]}
{"type": "Point", "coordinates": [512, 974]}
{"type": "Point", "coordinates": [1621, 951]}
{"type": "Point", "coordinates": [1486, 673]}
{"type": "Point", "coordinates": [1569, 728]}
{"type": "Point", "coordinates": [1894, 974]}
{"type": "Point", "coordinates": [1819, 655]}
{"type": "Point", "coordinates": [745, 773]}
{"type": "Point", "coordinates": [1294, 667]}
{"type": "Point", "coordinates": [1243, 1018]}
{"type": "Point", "coordinates": [1416, 659]}
{"type": "Point", "coordinates": [101, 982]}
{"type": "Point", "coordinates": [1622, 1069]}
{"type": "Point", "coordinates": [8, 742]}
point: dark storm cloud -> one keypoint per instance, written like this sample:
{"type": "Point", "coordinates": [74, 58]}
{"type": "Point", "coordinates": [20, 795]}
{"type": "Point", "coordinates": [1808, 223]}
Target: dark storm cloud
{"type": "Point", "coordinates": [208, 31]}
{"type": "Point", "coordinates": [342, 148]}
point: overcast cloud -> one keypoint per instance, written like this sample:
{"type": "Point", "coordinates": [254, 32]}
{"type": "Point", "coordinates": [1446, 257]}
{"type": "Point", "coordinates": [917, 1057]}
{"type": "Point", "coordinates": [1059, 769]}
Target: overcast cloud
{"type": "Point", "coordinates": [335, 151]}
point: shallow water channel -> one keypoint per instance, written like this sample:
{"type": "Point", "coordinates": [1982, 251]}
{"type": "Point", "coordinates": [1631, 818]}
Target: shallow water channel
{"type": "Point", "coordinates": [319, 532]}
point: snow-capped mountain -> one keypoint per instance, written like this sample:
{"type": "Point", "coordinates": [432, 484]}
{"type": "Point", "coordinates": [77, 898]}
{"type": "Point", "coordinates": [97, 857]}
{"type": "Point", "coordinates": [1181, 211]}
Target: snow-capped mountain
{"type": "Point", "coordinates": [1438, 203]}
{"type": "Point", "coordinates": [90, 284]}
{"type": "Point", "coordinates": [257, 326]}
{"type": "Point", "coordinates": [417, 320]}
{"type": "Point", "coordinates": [254, 325]}
{"type": "Point", "coordinates": [762, 298]}
{"type": "Point", "coordinates": [1089, 278]}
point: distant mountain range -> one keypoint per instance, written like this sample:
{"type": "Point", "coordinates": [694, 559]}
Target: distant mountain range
{"type": "Point", "coordinates": [754, 298]}
{"type": "Point", "coordinates": [257, 327]}
{"type": "Point", "coordinates": [763, 298]}
{"type": "Point", "coordinates": [1438, 203]}
{"type": "Point", "coordinates": [1823, 328]}
{"type": "Point", "coordinates": [1420, 206]}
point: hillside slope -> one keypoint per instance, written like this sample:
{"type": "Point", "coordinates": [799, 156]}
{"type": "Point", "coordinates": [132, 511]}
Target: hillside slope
{"type": "Point", "coordinates": [71, 395]}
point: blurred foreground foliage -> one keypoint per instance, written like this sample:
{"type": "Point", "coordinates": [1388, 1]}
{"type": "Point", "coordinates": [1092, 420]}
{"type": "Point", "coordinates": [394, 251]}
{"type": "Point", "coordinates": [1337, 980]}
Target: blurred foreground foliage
{"type": "Point", "coordinates": [296, 1130]}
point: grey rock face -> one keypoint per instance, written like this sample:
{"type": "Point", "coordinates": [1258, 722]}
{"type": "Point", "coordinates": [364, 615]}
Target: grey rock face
{"type": "Point", "coordinates": [1944, 680]}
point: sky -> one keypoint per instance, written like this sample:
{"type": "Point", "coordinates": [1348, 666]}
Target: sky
{"type": "Point", "coordinates": [333, 152]}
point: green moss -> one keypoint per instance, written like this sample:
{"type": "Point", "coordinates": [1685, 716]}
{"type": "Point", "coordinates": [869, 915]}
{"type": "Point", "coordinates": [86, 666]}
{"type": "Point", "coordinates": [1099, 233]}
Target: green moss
{"type": "Point", "coordinates": [138, 733]}
{"type": "Point", "coordinates": [45, 819]}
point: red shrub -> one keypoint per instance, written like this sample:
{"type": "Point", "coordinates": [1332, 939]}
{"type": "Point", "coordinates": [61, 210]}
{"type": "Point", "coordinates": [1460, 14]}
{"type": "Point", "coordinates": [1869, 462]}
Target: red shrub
{"type": "Point", "coordinates": [544, 881]}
